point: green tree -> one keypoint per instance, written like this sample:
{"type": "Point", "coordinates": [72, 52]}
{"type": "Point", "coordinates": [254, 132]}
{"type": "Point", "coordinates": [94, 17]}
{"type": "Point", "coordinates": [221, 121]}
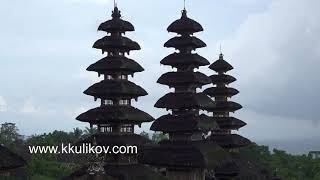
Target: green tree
{"type": "Point", "coordinates": [9, 135]}
{"type": "Point", "coordinates": [77, 134]}
{"type": "Point", "coordinates": [145, 134]}
{"type": "Point", "coordinates": [157, 137]}
{"type": "Point", "coordinates": [89, 131]}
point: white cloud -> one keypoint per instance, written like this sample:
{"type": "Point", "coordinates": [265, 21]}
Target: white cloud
{"type": "Point", "coordinates": [87, 76]}
{"type": "Point", "coordinates": [29, 108]}
{"type": "Point", "coordinates": [3, 105]}
{"type": "Point", "coordinates": [76, 112]}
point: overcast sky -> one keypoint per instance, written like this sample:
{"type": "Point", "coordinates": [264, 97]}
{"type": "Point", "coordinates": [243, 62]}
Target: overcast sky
{"type": "Point", "coordinates": [274, 45]}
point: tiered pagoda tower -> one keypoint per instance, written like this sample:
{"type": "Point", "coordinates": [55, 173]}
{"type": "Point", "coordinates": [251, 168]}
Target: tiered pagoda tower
{"type": "Point", "coordinates": [187, 155]}
{"type": "Point", "coordinates": [115, 118]}
{"type": "Point", "coordinates": [221, 113]}
{"type": "Point", "coordinates": [223, 107]}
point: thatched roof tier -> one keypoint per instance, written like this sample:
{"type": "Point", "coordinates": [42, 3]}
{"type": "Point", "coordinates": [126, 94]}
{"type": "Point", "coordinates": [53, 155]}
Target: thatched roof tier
{"type": "Point", "coordinates": [115, 115]}
{"type": "Point", "coordinates": [222, 78]}
{"type": "Point", "coordinates": [229, 123]}
{"type": "Point", "coordinates": [9, 160]}
{"type": "Point", "coordinates": [227, 170]}
{"type": "Point", "coordinates": [114, 65]}
{"type": "Point", "coordinates": [133, 172]}
{"type": "Point", "coordinates": [116, 24]}
{"type": "Point", "coordinates": [224, 106]}
{"type": "Point", "coordinates": [184, 123]}
{"type": "Point", "coordinates": [221, 91]}
{"type": "Point", "coordinates": [185, 101]}
{"type": "Point", "coordinates": [230, 141]}
{"type": "Point", "coordinates": [118, 172]}
{"type": "Point", "coordinates": [221, 65]}
{"type": "Point", "coordinates": [83, 174]}
{"type": "Point", "coordinates": [185, 25]}
{"type": "Point", "coordinates": [174, 79]}
{"type": "Point", "coordinates": [116, 44]}
{"type": "Point", "coordinates": [110, 89]}
{"type": "Point", "coordinates": [183, 60]}
{"type": "Point", "coordinates": [181, 42]}
{"type": "Point", "coordinates": [186, 155]}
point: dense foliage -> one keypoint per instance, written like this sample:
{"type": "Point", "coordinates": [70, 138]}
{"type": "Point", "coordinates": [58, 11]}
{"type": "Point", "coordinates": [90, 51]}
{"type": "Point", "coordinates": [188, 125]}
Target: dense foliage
{"type": "Point", "coordinates": [289, 167]}
{"type": "Point", "coordinates": [49, 166]}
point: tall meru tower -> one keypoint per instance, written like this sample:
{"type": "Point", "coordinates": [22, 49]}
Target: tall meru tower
{"type": "Point", "coordinates": [115, 118]}
{"type": "Point", "coordinates": [187, 154]}
{"type": "Point", "coordinates": [225, 136]}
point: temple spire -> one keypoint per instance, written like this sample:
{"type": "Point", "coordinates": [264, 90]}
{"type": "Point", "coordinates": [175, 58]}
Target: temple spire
{"type": "Point", "coordinates": [186, 154]}
{"type": "Point", "coordinates": [114, 117]}
{"type": "Point", "coordinates": [116, 13]}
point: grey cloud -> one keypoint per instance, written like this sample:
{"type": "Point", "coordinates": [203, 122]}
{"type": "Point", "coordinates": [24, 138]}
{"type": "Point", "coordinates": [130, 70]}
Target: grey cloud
{"type": "Point", "coordinates": [276, 55]}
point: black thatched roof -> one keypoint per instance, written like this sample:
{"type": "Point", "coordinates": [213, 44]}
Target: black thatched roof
{"type": "Point", "coordinates": [221, 65]}
{"type": "Point", "coordinates": [230, 140]}
{"type": "Point", "coordinates": [227, 170]}
{"type": "Point", "coordinates": [185, 155]}
{"type": "Point", "coordinates": [185, 25]}
{"type": "Point", "coordinates": [83, 174]}
{"type": "Point", "coordinates": [229, 123]}
{"type": "Point", "coordinates": [185, 41]}
{"type": "Point", "coordinates": [184, 123]}
{"type": "Point", "coordinates": [222, 78]}
{"type": "Point", "coordinates": [181, 59]}
{"type": "Point", "coordinates": [185, 101]}
{"type": "Point", "coordinates": [224, 106]}
{"type": "Point", "coordinates": [9, 160]}
{"type": "Point", "coordinates": [116, 24]}
{"type": "Point", "coordinates": [116, 43]}
{"type": "Point", "coordinates": [221, 91]}
{"type": "Point", "coordinates": [174, 79]}
{"type": "Point", "coordinates": [109, 89]}
{"type": "Point", "coordinates": [133, 172]}
{"type": "Point", "coordinates": [115, 114]}
{"type": "Point", "coordinates": [115, 65]}
{"type": "Point", "coordinates": [119, 172]}
{"type": "Point", "coordinates": [115, 139]}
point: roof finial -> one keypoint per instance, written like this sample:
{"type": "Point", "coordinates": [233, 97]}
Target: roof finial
{"type": "Point", "coordinates": [116, 13]}
{"type": "Point", "coordinates": [184, 11]}
{"type": "Point", "coordinates": [221, 54]}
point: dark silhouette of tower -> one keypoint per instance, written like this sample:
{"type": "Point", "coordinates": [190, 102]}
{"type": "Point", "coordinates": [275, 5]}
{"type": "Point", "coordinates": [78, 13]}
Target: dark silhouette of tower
{"type": "Point", "coordinates": [115, 118]}
{"type": "Point", "coordinates": [225, 137]}
{"type": "Point", "coordinates": [223, 107]}
{"type": "Point", "coordinates": [187, 154]}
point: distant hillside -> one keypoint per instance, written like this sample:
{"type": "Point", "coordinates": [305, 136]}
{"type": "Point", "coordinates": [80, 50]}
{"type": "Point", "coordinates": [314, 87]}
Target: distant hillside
{"type": "Point", "coordinates": [294, 146]}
